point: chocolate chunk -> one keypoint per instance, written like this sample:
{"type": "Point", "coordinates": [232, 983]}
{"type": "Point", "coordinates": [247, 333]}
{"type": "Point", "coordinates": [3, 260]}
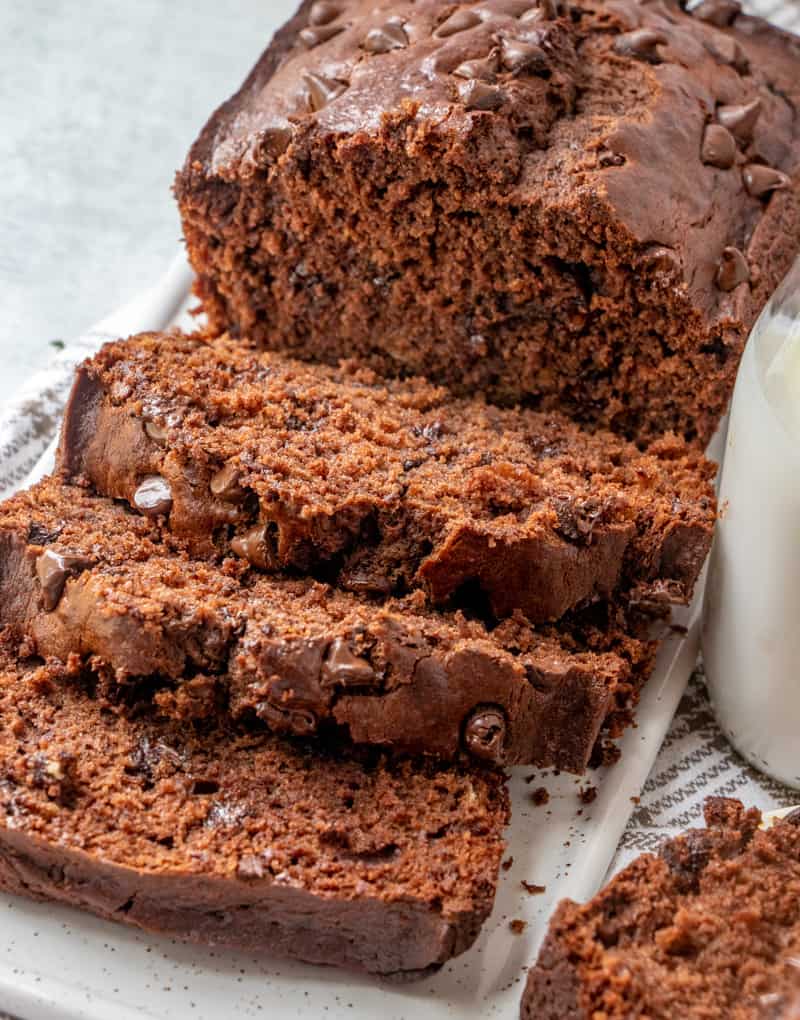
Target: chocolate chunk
{"type": "Point", "coordinates": [274, 142]}
{"type": "Point", "coordinates": [477, 95]}
{"type": "Point", "coordinates": [740, 120]}
{"type": "Point", "coordinates": [322, 13]}
{"type": "Point", "coordinates": [733, 269]}
{"type": "Point", "coordinates": [729, 51]}
{"type": "Point", "coordinates": [718, 12]}
{"type": "Point", "coordinates": [225, 482]}
{"type": "Point", "coordinates": [485, 734]}
{"type": "Point", "coordinates": [155, 431]}
{"type": "Point", "coordinates": [321, 90]}
{"type": "Point", "coordinates": [153, 497]}
{"type": "Point", "coordinates": [53, 569]}
{"type": "Point", "coordinates": [523, 56]}
{"type": "Point", "coordinates": [762, 180]}
{"type": "Point", "coordinates": [344, 669]}
{"type": "Point", "coordinates": [457, 22]}
{"type": "Point", "coordinates": [719, 147]}
{"type": "Point", "coordinates": [641, 44]}
{"type": "Point", "coordinates": [312, 37]}
{"type": "Point", "coordinates": [390, 36]}
{"type": "Point", "coordinates": [480, 69]}
{"type": "Point", "coordinates": [255, 547]}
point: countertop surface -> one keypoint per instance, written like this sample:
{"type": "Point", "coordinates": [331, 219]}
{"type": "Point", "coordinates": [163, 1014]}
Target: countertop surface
{"type": "Point", "coordinates": [99, 104]}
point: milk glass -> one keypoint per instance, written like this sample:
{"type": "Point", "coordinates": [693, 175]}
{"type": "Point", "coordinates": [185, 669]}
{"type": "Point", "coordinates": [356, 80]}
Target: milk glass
{"type": "Point", "coordinates": [751, 632]}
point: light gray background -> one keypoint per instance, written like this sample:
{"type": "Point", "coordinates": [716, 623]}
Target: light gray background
{"type": "Point", "coordinates": [99, 102]}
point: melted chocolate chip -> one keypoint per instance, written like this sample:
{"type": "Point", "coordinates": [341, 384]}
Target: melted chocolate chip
{"type": "Point", "coordinates": [365, 583]}
{"type": "Point", "coordinates": [719, 147]}
{"type": "Point", "coordinates": [523, 56]}
{"type": "Point", "coordinates": [605, 157]}
{"type": "Point", "coordinates": [485, 734]}
{"type": "Point", "coordinates": [729, 51]}
{"type": "Point", "coordinates": [254, 546]}
{"type": "Point", "coordinates": [390, 36]}
{"type": "Point", "coordinates": [321, 90]}
{"type": "Point", "coordinates": [153, 497]}
{"type": "Point", "coordinates": [225, 482]}
{"type": "Point", "coordinates": [344, 669]}
{"type": "Point", "coordinates": [662, 261]}
{"type": "Point", "coordinates": [274, 142]}
{"type": "Point", "coordinates": [641, 44]}
{"type": "Point", "coordinates": [718, 12]}
{"type": "Point", "coordinates": [155, 431]}
{"type": "Point", "coordinates": [458, 22]}
{"type": "Point", "coordinates": [481, 69]}
{"type": "Point", "coordinates": [733, 269]}
{"type": "Point", "coordinates": [301, 722]}
{"type": "Point", "coordinates": [53, 569]}
{"type": "Point", "coordinates": [317, 34]}
{"type": "Point", "coordinates": [740, 120]}
{"type": "Point", "coordinates": [762, 180]}
{"type": "Point", "coordinates": [477, 95]}
{"type": "Point", "coordinates": [322, 13]}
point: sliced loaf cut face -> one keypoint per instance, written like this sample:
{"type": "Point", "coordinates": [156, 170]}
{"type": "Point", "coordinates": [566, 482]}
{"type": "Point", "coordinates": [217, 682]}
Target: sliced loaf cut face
{"type": "Point", "coordinates": [385, 487]}
{"type": "Point", "coordinates": [85, 580]}
{"type": "Point", "coordinates": [707, 929]}
{"type": "Point", "coordinates": [226, 837]}
{"type": "Point", "coordinates": [583, 205]}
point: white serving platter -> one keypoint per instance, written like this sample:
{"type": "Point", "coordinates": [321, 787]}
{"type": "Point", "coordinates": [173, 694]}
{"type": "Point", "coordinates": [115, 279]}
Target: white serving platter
{"type": "Point", "coordinates": [59, 964]}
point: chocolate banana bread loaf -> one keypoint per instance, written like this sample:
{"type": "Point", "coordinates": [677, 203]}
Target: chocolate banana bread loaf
{"type": "Point", "coordinates": [582, 204]}
{"type": "Point", "coordinates": [709, 929]}
{"type": "Point", "coordinates": [86, 582]}
{"type": "Point", "coordinates": [239, 839]}
{"type": "Point", "coordinates": [385, 487]}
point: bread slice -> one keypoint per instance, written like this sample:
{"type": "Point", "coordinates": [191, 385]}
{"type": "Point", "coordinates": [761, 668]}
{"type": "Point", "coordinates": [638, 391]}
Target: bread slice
{"type": "Point", "coordinates": [242, 839]}
{"type": "Point", "coordinates": [387, 487]}
{"type": "Point", "coordinates": [85, 580]}
{"type": "Point", "coordinates": [708, 929]}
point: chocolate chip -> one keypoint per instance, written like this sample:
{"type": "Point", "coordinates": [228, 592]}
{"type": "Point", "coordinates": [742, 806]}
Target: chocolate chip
{"type": "Point", "coordinates": [481, 69]}
{"type": "Point", "coordinates": [155, 431]}
{"type": "Point", "coordinates": [762, 180]}
{"type": "Point", "coordinates": [153, 497]}
{"type": "Point", "coordinates": [662, 261]}
{"type": "Point", "coordinates": [547, 10]}
{"type": "Point", "coordinates": [718, 12]}
{"type": "Point", "coordinates": [729, 51]}
{"type": "Point", "coordinates": [365, 584]}
{"type": "Point", "coordinates": [312, 37]}
{"type": "Point", "coordinates": [273, 143]}
{"type": "Point", "coordinates": [641, 44]}
{"type": "Point", "coordinates": [300, 722]}
{"type": "Point", "coordinates": [458, 22]}
{"type": "Point", "coordinates": [477, 95]}
{"type": "Point", "coordinates": [719, 147]}
{"type": "Point", "coordinates": [605, 157]}
{"type": "Point", "coordinates": [322, 13]}
{"type": "Point", "coordinates": [522, 56]}
{"type": "Point", "coordinates": [733, 269]}
{"type": "Point", "coordinates": [53, 569]}
{"type": "Point", "coordinates": [344, 669]}
{"type": "Point", "coordinates": [740, 120]}
{"type": "Point", "coordinates": [390, 36]}
{"type": "Point", "coordinates": [321, 90]}
{"type": "Point", "coordinates": [225, 482]}
{"type": "Point", "coordinates": [485, 734]}
{"type": "Point", "coordinates": [254, 546]}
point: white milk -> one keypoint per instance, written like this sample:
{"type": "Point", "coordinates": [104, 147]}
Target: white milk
{"type": "Point", "coordinates": [751, 634]}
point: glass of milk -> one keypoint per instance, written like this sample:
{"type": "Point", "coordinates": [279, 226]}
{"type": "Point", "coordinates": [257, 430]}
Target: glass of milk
{"type": "Point", "coordinates": [751, 632]}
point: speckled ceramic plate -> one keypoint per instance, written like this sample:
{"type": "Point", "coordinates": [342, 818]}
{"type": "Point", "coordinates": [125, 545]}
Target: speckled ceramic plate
{"type": "Point", "coordinates": [59, 964]}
